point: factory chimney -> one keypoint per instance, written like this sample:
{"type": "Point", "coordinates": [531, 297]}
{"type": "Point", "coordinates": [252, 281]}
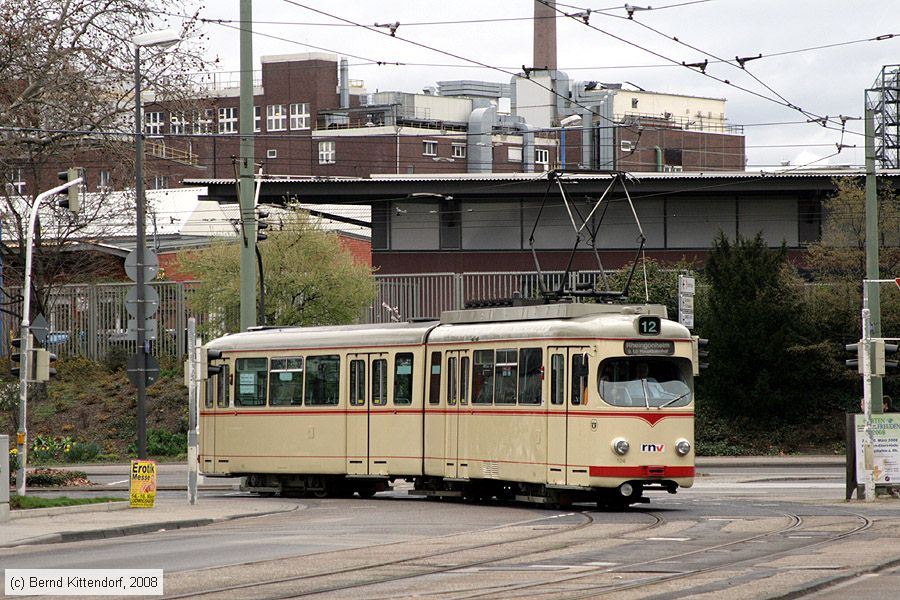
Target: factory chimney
{"type": "Point", "coordinates": [545, 34]}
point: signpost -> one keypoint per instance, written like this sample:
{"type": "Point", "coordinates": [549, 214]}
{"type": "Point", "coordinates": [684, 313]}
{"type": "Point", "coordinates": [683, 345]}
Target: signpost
{"type": "Point", "coordinates": [686, 288]}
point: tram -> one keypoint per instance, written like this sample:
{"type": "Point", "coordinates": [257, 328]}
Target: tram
{"type": "Point", "coordinates": [550, 403]}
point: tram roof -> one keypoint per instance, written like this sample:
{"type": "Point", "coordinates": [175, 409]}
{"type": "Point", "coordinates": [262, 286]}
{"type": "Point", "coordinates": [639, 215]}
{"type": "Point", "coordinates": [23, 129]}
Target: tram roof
{"type": "Point", "coordinates": [494, 324]}
{"type": "Point", "coordinates": [332, 336]}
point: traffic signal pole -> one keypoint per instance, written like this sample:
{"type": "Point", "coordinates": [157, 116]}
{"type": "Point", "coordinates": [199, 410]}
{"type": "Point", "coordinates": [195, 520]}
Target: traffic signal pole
{"type": "Point", "coordinates": [25, 363]}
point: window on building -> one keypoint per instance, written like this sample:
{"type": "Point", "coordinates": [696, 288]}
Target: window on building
{"type": "Point", "coordinates": [160, 182]}
{"type": "Point", "coordinates": [105, 182]}
{"type": "Point", "coordinates": [286, 382]}
{"type": "Point", "coordinates": [251, 381]}
{"type": "Point", "coordinates": [322, 380]}
{"type": "Point", "coordinates": [203, 121]}
{"type": "Point", "coordinates": [15, 182]}
{"type": "Point", "coordinates": [327, 155]}
{"type": "Point", "coordinates": [542, 156]}
{"type": "Point", "coordinates": [228, 119]}
{"type": "Point", "coordinates": [276, 118]}
{"type": "Point", "coordinates": [634, 103]}
{"type": "Point", "coordinates": [257, 118]}
{"type": "Point", "coordinates": [459, 151]}
{"type": "Point", "coordinates": [429, 148]}
{"type": "Point", "coordinates": [451, 232]}
{"type": "Point", "coordinates": [153, 123]}
{"type": "Point", "coordinates": [515, 154]}
{"type": "Point", "coordinates": [178, 123]}
{"type": "Point", "coordinates": [403, 378]}
{"type": "Point", "coordinates": [300, 115]}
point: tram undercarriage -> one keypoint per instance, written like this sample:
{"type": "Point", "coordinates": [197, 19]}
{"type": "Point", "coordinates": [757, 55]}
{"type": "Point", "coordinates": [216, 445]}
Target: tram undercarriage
{"type": "Point", "coordinates": [474, 490]}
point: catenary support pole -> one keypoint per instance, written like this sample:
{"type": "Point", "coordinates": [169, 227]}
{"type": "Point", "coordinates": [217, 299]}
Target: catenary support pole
{"type": "Point", "coordinates": [193, 408]}
{"type": "Point", "coordinates": [872, 238]}
{"type": "Point", "coordinates": [248, 216]}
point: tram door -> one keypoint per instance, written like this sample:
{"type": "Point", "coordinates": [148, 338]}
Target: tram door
{"type": "Point", "coordinates": [456, 395]}
{"type": "Point", "coordinates": [564, 392]}
{"type": "Point", "coordinates": [368, 386]}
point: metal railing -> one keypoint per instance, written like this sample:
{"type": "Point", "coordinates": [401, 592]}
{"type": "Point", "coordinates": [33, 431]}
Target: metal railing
{"type": "Point", "coordinates": [90, 320]}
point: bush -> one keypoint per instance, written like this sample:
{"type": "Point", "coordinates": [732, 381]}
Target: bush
{"type": "Point", "coordinates": [47, 477]}
{"type": "Point", "coordinates": [13, 463]}
{"type": "Point", "coordinates": [163, 443]}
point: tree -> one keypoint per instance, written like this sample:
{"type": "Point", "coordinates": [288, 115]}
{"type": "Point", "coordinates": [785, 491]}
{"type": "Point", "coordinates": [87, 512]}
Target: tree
{"type": "Point", "coordinates": [66, 99]}
{"type": "Point", "coordinates": [752, 321]}
{"type": "Point", "coordinates": [840, 255]}
{"type": "Point", "coordinates": [309, 280]}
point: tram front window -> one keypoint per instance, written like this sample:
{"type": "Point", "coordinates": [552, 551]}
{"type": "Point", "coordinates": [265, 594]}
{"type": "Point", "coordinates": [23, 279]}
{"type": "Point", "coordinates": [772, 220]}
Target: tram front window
{"type": "Point", "coordinates": [645, 382]}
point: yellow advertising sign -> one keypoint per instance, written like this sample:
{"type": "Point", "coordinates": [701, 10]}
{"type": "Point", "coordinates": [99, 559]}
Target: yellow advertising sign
{"type": "Point", "coordinates": [143, 483]}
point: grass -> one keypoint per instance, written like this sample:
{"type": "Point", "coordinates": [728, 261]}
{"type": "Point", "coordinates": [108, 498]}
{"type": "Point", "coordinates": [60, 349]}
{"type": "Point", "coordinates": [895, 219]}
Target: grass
{"type": "Point", "coordinates": [17, 502]}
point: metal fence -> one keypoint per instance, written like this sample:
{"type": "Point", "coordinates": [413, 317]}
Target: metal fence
{"type": "Point", "coordinates": [90, 320]}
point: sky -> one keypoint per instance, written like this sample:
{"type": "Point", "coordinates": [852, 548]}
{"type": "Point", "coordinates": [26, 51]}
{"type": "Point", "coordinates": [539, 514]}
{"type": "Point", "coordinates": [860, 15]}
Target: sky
{"type": "Point", "coordinates": [818, 55]}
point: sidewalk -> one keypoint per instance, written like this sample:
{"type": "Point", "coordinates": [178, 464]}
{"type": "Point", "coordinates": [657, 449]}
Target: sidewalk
{"type": "Point", "coordinates": [98, 521]}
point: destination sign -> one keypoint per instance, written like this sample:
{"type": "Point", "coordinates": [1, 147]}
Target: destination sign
{"type": "Point", "coordinates": [649, 348]}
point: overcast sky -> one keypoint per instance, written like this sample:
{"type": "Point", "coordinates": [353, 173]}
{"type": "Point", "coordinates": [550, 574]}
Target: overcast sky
{"type": "Point", "coordinates": [790, 34]}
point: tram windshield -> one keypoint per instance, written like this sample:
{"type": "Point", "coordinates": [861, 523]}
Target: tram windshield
{"type": "Point", "coordinates": [645, 382]}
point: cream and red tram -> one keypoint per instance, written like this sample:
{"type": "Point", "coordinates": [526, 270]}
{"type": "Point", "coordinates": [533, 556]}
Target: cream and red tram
{"type": "Point", "coordinates": [549, 403]}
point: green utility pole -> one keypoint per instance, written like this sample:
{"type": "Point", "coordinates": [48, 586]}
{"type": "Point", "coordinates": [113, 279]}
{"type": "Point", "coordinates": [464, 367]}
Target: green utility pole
{"type": "Point", "coordinates": [245, 189]}
{"type": "Point", "coordinates": [872, 238]}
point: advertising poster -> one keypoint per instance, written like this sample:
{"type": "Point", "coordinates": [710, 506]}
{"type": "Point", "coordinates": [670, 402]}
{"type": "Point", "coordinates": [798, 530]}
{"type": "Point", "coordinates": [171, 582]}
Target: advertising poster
{"type": "Point", "coordinates": [885, 450]}
{"type": "Point", "coordinates": [143, 483]}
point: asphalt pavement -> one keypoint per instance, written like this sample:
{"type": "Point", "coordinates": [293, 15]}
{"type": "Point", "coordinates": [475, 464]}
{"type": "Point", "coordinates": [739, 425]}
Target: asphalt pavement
{"type": "Point", "coordinates": [113, 519]}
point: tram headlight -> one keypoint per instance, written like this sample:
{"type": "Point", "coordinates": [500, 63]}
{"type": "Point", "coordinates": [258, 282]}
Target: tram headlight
{"type": "Point", "coordinates": [621, 446]}
{"type": "Point", "coordinates": [682, 447]}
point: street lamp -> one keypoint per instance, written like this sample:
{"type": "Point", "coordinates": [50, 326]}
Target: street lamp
{"type": "Point", "coordinates": [161, 39]}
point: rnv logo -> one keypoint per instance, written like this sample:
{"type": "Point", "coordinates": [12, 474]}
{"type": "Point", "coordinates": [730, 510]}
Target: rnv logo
{"type": "Point", "coordinates": [653, 447]}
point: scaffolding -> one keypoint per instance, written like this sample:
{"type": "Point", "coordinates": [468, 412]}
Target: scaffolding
{"type": "Point", "coordinates": [884, 101]}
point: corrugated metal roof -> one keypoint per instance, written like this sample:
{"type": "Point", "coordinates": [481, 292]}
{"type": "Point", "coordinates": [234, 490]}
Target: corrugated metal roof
{"type": "Point", "coordinates": [781, 173]}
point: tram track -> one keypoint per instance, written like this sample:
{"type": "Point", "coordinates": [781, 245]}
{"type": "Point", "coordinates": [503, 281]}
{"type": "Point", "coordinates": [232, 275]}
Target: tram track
{"type": "Point", "coordinates": [544, 587]}
{"type": "Point", "coordinates": [413, 562]}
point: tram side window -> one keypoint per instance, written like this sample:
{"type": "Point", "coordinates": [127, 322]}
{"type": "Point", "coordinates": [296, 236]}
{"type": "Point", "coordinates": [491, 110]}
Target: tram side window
{"type": "Point", "coordinates": [357, 382]}
{"type": "Point", "coordinates": [507, 374]}
{"type": "Point", "coordinates": [403, 378]}
{"type": "Point", "coordinates": [451, 381]}
{"type": "Point", "coordinates": [579, 379]}
{"type": "Point", "coordinates": [210, 391]}
{"type": "Point", "coordinates": [224, 398]}
{"type": "Point", "coordinates": [323, 380]}
{"type": "Point", "coordinates": [464, 380]}
{"type": "Point", "coordinates": [557, 379]}
{"type": "Point", "coordinates": [434, 386]}
{"type": "Point", "coordinates": [531, 361]}
{"type": "Point", "coordinates": [379, 382]}
{"type": "Point", "coordinates": [483, 377]}
{"type": "Point", "coordinates": [251, 381]}
{"type": "Point", "coordinates": [286, 382]}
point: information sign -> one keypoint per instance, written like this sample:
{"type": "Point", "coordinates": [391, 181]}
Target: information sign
{"type": "Point", "coordinates": [885, 450]}
{"type": "Point", "coordinates": [143, 483]}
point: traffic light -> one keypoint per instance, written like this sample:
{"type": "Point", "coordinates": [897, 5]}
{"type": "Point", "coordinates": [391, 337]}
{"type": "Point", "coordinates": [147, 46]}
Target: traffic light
{"type": "Point", "coordinates": [15, 357]}
{"type": "Point", "coordinates": [71, 197]}
{"type": "Point", "coordinates": [701, 356]}
{"type": "Point", "coordinates": [261, 225]}
{"type": "Point", "coordinates": [207, 370]}
{"type": "Point", "coordinates": [854, 363]}
{"type": "Point", "coordinates": [881, 350]}
{"type": "Point", "coordinates": [43, 359]}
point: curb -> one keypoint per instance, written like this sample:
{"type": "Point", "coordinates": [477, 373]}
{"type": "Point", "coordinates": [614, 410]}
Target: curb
{"type": "Point", "coordinates": [113, 532]}
{"type": "Point", "coordinates": [28, 513]}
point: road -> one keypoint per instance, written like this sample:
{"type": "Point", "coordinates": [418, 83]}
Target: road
{"type": "Point", "coordinates": [763, 531]}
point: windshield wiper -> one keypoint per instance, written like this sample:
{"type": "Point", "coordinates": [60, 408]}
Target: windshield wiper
{"type": "Point", "coordinates": [674, 400]}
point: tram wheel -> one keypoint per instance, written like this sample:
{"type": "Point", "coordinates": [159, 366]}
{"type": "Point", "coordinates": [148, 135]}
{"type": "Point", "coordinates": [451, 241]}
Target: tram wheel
{"type": "Point", "coordinates": [366, 492]}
